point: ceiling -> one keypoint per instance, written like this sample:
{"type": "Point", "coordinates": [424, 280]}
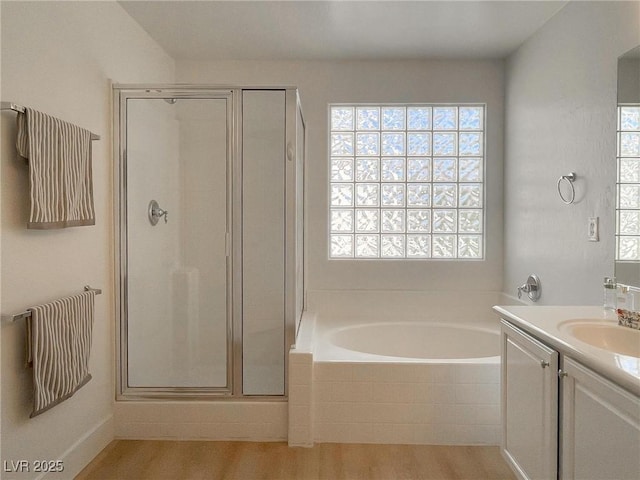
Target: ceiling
{"type": "Point", "coordinates": [340, 30]}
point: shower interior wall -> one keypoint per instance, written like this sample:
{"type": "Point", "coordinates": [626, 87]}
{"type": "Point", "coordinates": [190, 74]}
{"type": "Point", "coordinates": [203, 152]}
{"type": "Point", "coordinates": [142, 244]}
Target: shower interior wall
{"type": "Point", "coordinates": [152, 252]}
{"type": "Point", "coordinates": [203, 215]}
{"type": "Point", "coordinates": [176, 295]}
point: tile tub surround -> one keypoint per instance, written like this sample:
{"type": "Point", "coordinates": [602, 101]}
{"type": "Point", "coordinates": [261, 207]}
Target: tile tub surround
{"type": "Point", "coordinates": [300, 433]}
{"type": "Point", "coordinates": [406, 403]}
{"type": "Point", "coordinates": [390, 400]}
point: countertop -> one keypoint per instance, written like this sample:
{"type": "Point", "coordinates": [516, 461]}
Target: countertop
{"type": "Point", "coordinates": [543, 322]}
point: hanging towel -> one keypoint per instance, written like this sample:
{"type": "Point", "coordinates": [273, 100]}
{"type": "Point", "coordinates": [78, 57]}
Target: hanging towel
{"type": "Point", "coordinates": [60, 177]}
{"type": "Point", "coordinates": [60, 343]}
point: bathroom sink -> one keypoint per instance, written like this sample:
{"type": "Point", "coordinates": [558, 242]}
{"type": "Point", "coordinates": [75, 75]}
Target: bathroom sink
{"type": "Point", "coordinates": [605, 335]}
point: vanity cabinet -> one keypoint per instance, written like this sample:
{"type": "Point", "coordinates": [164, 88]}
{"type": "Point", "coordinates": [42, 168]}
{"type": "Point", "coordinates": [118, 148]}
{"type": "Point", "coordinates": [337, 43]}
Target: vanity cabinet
{"type": "Point", "coordinates": [529, 405]}
{"type": "Point", "coordinates": [567, 423]}
{"type": "Point", "coordinates": [600, 427]}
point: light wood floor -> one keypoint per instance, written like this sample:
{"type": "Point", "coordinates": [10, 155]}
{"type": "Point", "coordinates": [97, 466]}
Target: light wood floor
{"type": "Point", "coordinates": [155, 460]}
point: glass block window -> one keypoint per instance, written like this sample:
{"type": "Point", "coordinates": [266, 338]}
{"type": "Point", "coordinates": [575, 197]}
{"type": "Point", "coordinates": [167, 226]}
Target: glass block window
{"type": "Point", "coordinates": [628, 184]}
{"type": "Point", "coordinates": [406, 181]}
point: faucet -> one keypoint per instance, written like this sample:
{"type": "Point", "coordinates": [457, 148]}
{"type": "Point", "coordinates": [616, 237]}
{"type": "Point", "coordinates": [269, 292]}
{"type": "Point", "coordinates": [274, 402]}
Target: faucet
{"type": "Point", "coordinates": [532, 288]}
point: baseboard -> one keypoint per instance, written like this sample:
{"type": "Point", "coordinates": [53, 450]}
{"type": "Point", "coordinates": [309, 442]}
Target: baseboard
{"type": "Point", "coordinates": [78, 456]}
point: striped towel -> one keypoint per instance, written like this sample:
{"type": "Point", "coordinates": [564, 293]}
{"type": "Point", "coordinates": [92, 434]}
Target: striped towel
{"type": "Point", "coordinates": [60, 344]}
{"type": "Point", "coordinates": [60, 176]}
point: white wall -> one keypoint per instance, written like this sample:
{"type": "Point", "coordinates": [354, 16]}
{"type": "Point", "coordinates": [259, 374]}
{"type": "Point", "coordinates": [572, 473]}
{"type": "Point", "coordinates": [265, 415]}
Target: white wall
{"type": "Point", "coordinates": [58, 57]}
{"type": "Point", "coordinates": [560, 117]}
{"type": "Point", "coordinates": [629, 79]}
{"type": "Point", "coordinates": [321, 83]}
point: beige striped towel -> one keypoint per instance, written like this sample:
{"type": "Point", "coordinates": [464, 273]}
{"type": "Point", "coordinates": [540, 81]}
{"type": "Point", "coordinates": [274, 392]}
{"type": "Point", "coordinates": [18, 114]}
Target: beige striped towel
{"type": "Point", "coordinates": [60, 341]}
{"type": "Point", "coordinates": [60, 177]}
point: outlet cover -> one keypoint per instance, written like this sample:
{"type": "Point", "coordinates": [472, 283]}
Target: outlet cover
{"type": "Point", "coordinates": [592, 229]}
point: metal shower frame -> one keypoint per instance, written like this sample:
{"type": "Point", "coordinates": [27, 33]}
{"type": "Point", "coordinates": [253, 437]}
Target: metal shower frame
{"type": "Point", "coordinates": [233, 95]}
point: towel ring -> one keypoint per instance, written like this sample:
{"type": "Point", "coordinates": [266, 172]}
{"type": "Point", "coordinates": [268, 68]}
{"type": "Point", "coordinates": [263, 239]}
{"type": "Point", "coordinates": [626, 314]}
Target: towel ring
{"type": "Point", "coordinates": [569, 179]}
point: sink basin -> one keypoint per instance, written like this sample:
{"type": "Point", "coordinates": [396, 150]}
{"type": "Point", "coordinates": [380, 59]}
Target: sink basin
{"type": "Point", "coordinates": [605, 335]}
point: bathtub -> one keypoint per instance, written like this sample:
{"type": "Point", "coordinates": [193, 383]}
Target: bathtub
{"type": "Point", "coordinates": [414, 342]}
{"type": "Point", "coordinates": [406, 381]}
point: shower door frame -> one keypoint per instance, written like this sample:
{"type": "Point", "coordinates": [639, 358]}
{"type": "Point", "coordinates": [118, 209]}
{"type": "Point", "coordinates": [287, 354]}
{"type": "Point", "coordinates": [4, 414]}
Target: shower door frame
{"type": "Point", "coordinates": [233, 94]}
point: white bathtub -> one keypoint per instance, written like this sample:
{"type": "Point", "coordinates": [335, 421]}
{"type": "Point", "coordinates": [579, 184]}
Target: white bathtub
{"type": "Point", "coordinates": [402, 367]}
{"type": "Point", "coordinates": [413, 342]}
{"type": "Point", "coordinates": [410, 381]}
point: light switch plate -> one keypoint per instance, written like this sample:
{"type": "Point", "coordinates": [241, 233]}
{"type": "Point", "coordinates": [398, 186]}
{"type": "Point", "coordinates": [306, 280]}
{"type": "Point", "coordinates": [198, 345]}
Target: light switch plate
{"type": "Point", "coordinates": [592, 230]}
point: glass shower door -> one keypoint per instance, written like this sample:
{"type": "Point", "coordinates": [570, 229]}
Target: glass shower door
{"type": "Point", "coordinates": [177, 268]}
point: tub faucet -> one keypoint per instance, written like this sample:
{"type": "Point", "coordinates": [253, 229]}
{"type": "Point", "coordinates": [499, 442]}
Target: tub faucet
{"type": "Point", "coordinates": [532, 288]}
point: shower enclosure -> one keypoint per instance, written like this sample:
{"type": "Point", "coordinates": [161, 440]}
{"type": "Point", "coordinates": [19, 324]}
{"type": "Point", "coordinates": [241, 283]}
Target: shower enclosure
{"type": "Point", "coordinates": [209, 220]}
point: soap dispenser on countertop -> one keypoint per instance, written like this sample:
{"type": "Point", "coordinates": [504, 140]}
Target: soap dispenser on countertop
{"type": "Point", "coordinates": [610, 293]}
{"type": "Point", "coordinates": [624, 298]}
{"type": "Point", "coordinates": [631, 299]}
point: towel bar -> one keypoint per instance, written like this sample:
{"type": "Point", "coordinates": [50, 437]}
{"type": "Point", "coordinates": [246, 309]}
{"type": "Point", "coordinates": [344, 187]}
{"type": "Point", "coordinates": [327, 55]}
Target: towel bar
{"type": "Point", "coordinates": [27, 314]}
{"type": "Point", "coordinates": [19, 108]}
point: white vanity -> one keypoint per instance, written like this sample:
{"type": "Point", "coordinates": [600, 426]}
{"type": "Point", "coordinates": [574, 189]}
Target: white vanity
{"type": "Point", "coordinates": [570, 394]}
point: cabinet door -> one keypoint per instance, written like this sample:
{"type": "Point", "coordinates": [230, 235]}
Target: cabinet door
{"type": "Point", "coordinates": [600, 427]}
{"type": "Point", "coordinates": [529, 405]}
